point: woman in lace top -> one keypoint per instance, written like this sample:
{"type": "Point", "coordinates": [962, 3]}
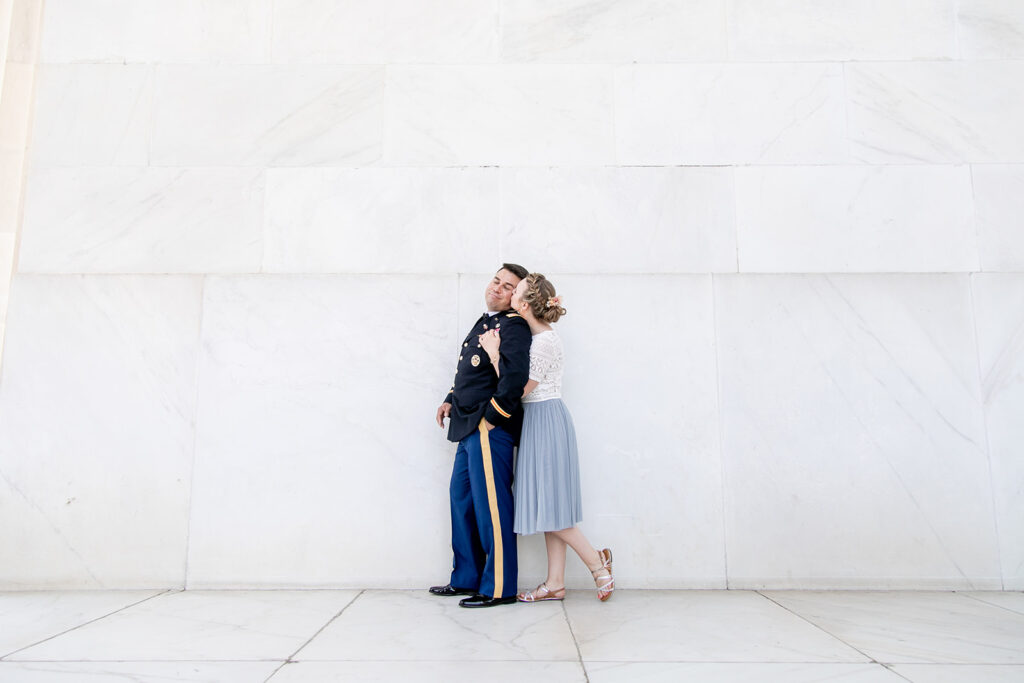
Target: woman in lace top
{"type": "Point", "coordinates": [547, 477]}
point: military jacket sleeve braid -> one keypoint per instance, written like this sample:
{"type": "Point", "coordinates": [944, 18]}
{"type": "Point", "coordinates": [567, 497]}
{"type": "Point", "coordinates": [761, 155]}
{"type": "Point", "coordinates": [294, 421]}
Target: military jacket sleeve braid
{"type": "Point", "coordinates": [514, 371]}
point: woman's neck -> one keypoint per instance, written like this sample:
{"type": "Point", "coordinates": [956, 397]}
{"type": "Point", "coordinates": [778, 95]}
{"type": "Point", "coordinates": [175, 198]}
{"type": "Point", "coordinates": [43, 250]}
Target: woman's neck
{"type": "Point", "coordinates": [536, 326]}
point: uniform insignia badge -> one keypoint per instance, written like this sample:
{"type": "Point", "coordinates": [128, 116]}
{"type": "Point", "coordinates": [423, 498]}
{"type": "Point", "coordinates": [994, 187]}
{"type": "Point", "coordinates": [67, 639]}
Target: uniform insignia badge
{"type": "Point", "coordinates": [475, 360]}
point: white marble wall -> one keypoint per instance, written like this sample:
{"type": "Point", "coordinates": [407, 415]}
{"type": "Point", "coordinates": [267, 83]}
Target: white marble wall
{"type": "Point", "coordinates": [19, 45]}
{"type": "Point", "coordinates": [790, 236]}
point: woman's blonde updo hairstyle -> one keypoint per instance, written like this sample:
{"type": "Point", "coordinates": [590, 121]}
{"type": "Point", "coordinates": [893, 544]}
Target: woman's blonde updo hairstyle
{"type": "Point", "coordinates": [540, 295]}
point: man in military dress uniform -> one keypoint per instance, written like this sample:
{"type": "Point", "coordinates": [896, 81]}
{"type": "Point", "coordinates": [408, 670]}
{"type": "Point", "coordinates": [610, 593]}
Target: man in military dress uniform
{"type": "Point", "coordinates": [485, 418]}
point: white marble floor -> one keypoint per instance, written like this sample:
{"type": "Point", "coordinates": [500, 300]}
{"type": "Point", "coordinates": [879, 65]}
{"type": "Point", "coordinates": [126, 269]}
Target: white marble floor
{"type": "Point", "coordinates": [291, 636]}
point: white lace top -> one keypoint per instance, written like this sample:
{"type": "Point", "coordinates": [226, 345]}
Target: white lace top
{"type": "Point", "coordinates": [546, 362]}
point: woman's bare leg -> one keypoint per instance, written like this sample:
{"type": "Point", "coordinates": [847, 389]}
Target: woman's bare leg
{"type": "Point", "coordinates": [592, 558]}
{"type": "Point", "coordinates": [556, 560]}
{"type": "Point", "coordinates": [575, 538]}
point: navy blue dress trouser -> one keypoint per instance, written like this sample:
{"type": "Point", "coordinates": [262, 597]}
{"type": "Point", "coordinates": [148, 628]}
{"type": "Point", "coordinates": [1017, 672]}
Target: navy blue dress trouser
{"type": "Point", "coordinates": [482, 514]}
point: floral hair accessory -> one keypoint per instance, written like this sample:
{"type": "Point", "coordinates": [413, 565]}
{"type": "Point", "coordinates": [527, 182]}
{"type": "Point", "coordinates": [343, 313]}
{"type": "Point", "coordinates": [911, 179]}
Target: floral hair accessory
{"type": "Point", "coordinates": [554, 301]}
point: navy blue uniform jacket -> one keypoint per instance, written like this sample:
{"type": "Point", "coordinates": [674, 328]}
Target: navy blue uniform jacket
{"type": "Point", "coordinates": [478, 392]}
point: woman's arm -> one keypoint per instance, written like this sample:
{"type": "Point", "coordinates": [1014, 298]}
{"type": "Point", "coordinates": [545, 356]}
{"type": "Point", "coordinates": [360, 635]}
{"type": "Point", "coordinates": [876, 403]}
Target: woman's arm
{"type": "Point", "coordinates": [491, 342]}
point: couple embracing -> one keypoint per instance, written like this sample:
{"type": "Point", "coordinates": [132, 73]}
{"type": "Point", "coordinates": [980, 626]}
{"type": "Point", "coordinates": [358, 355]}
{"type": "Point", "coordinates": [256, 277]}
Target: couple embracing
{"type": "Point", "coordinates": [507, 393]}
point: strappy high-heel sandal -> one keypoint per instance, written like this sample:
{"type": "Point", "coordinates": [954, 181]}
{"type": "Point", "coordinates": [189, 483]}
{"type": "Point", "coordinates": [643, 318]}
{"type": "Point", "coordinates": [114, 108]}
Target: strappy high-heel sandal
{"type": "Point", "coordinates": [541, 593]}
{"type": "Point", "coordinates": [604, 590]}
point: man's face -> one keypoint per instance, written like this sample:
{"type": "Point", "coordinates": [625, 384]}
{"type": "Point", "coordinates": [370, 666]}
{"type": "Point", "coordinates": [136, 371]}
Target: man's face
{"type": "Point", "coordinates": [498, 293]}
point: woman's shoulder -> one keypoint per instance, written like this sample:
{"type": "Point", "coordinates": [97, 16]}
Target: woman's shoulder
{"type": "Point", "coordinates": [547, 335]}
{"type": "Point", "coordinates": [548, 339]}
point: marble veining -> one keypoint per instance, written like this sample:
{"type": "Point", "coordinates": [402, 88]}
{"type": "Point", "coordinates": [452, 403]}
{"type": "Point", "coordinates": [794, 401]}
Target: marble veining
{"type": "Point", "coordinates": [999, 319]}
{"type": "Point", "coordinates": [92, 31]}
{"type": "Point", "coordinates": [914, 627]}
{"type": "Point", "coordinates": [110, 220]}
{"type": "Point", "coordinates": [423, 626]}
{"type": "Point", "coordinates": [124, 391]}
{"type": "Point", "coordinates": [300, 351]}
{"type": "Point", "coordinates": [824, 416]}
{"type": "Point", "coordinates": [258, 115]}
{"type": "Point", "coordinates": [998, 207]}
{"type": "Point", "coordinates": [620, 220]}
{"type": "Point", "coordinates": [253, 232]}
{"type": "Point", "coordinates": [137, 672]}
{"type": "Point", "coordinates": [990, 29]}
{"type": "Point", "coordinates": [793, 219]}
{"type": "Point", "coordinates": [699, 626]}
{"type": "Point", "coordinates": [812, 30]}
{"type": "Point", "coordinates": [719, 114]}
{"type": "Point", "coordinates": [29, 617]}
{"type": "Point", "coordinates": [198, 625]}
{"type": "Point", "coordinates": [766, 672]}
{"type": "Point", "coordinates": [395, 220]}
{"type": "Point", "coordinates": [935, 112]}
{"type": "Point", "coordinates": [387, 635]}
{"type": "Point", "coordinates": [453, 672]}
{"type": "Point", "coordinates": [386, 32]}
{"type": "Point", "coordinates": [588, 31]}
{"type": "Point", "coordinates": [509, 114]}
{"type": "Point", "coordinates": [74, 127]}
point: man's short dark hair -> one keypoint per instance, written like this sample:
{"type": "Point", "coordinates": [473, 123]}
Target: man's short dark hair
{"type": "Point", "coordinates": [515, 269]}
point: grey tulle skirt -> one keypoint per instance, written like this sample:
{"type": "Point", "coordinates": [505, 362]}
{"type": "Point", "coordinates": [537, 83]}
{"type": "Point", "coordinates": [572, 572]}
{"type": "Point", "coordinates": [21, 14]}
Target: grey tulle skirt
{"type": "Point", "coordinates": [547, 479]}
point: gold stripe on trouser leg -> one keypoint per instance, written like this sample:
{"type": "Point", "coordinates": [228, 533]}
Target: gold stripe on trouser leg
{"type": "Point", "coordinates": [492, 500]}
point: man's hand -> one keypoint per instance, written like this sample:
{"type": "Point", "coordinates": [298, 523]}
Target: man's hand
{"type": "Point", "coordinates": [488, 425]}
{"type": "Point", "coordinates": [443, 411]}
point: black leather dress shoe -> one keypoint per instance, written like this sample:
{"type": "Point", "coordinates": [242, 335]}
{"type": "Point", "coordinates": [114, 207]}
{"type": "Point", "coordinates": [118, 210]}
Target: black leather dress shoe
{"type": "Point", "coordinates": [448, 591]}
{"type": "Point", "coordinates": [484, 601]}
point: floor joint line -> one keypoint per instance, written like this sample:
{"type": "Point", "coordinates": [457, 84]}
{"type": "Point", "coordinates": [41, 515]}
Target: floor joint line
{"type": "Point", "coordinates": [576, 644]}
{"type": "Point", "coordinates": [86, 623]}
{"type": "Point", "coordinates": [291, 657]}
{"type": "Point", "coordinates": [821, 628]}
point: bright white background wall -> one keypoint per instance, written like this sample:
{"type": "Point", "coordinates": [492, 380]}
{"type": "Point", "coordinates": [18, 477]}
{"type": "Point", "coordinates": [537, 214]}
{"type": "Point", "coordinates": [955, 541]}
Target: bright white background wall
{"type": "Point", "coordinates": [789, 234]}
{"type": "Point", "coordinates": [19, 45]}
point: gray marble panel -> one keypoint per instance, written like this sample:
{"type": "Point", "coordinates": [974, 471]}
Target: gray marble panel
{"type": "Point", "coordinates": [914, 626]}
{"type": "Point", "coordinates": [28, 617]}
{"type": "Point", "coordinates": [990, 29]}
{"type": "Point", "coordinates": [267, 115]}
{"type": "Point", "coordinates": [92, 115]}
{"type": "Point", "coordinates": [142, 220]}
{"type": "Point", "coordinates": [936, 112]}
{"type": "Point", "coordinates": [999, 316]}
{"type": "Point", "coordinates": [199, 626]}
{"type": "Point", "coordinates": [592, 31]}
{"type": "Point", "coordinates": [368, 220]}
{"type": "Point", "coordinates": [841, 30]}
{"type": "Point", "coordinates": [318, 461]}
{"type": "Point", "coordinates": [156, 31]}
{"type": "Point", "coordinates": [855, 219]}
{"type": "Point", "coordinates": [386, 31]}
{"type": "Point", "coordinates": [508, 115]}
{"type": "Point", "coordinates": [999, 215]}
{"type": "Point", "coordinates": [712, 114]}
{"type": "Point", "coordinates": [853, 433]}
{"type": "Point", "coordinates": [620, 220]}
{"type": "Point", "coordinates": [97, 404]}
